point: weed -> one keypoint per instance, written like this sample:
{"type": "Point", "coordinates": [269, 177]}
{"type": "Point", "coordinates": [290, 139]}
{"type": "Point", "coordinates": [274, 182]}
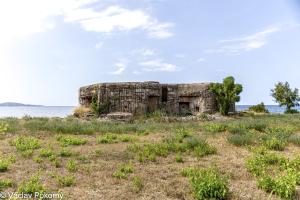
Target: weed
{"type": "Point", "coordinates": [123, 171]}
{"type": "Point", "coordinates": [295, 139]}
{"type": "Point", "coordinates": [65, 152]}
{"type": "Point", "coordinates": [46, 153]}
{"type": "Point", "coordinates": [274, 144]}
{"type": "Point", "coordinates": [24, 143]}
{"type": "Point", "coordinates": [137, 183]}
{"type": "Point", "coordinates": [66, 140]}
{"type": "Point", "coordinates": [214, 127]}
{"type": "Point", "coordinates": [65, 181]}
{"type": "Point", "coordinates": [5, 183]}
{"type": "Point", "coordinates": [4, 164]}
{"type": "Point", "coordinates": [98, 152]}
{"type": "Point", "coordinates": [71, 166]}
{"type": "Point", "coordinates": [178, 158]}
{"type": "Point", "coordinates": [207, 183]}
{"type": "Point", "coordinates": [31, 186]}
{"type": "Point", "coordinates": [241, 140]}
{"type": "Point", "coordinates": [107, 138]}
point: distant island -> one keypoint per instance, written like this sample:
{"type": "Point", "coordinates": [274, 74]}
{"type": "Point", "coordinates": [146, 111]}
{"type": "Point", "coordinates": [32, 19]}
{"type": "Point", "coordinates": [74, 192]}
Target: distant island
{"type": "Point", "coordinates": [12, 104]}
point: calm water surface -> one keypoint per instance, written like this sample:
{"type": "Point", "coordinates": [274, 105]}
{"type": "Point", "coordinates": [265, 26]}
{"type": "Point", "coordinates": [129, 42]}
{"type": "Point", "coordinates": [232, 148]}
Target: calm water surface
{"type": "Point", "coordinates": [43, 111]}
{"type": "Point", "coordinates": [63, 111]}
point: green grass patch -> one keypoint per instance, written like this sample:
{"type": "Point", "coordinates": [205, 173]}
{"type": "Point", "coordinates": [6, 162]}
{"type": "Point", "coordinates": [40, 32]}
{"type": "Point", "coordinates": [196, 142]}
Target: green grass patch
{"type": "Point", "coordinates": [66, 181]}
{"type": "Point", "coordinates": [5, 183]}
{"type": "Point", "coordinates": [25, 143]}
{"type": "Point", "coordinates": [114, 138]}
{"type": "Point", "coordinates": [274, 144]}
{"type": "Point", "coordinates": [295, 139]}
{"type": "Point", "coordinates": [123, 171]}
{"type": "Point", "coordinates": [241, 139]}
{"type": "Point", "coordinates": [207, 183]}
{"type": "Point", "coordinates": [31, 186]}
{"type": "Point", "coordinates": [71, 166]}
{"type": "Point", "coordinates": [275, 174]}
{"type": "Point", "coordinates": [66, 140]}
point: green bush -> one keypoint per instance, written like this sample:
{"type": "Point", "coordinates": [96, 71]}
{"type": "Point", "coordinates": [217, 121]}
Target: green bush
{"type": "Point", "coordinates": [291, 111]}
{"type": "Point", "coordinates": [178, 158]}
{"type": "Point", "coordinates": [24, 143]}
{"type": "Point", "coordinates": [31, 186]}
{"type": "Point", "coordinates": [65, 181]}
{"type": "Point", "coordinates": [66, 140]}
{"type": "Point", "coordinates": [46, 153]}
{"type": "Point", "coordinates": [227, 93]}
{"type": "Point", "coordinates": [214, 127]}
{"type": "Point", "coordinates": [5, 183]}
{"type": "Point", "coordinates": [241, 140]}
{"type": "Point", "coordinates": [123, 171]}
{"type": "Point", "coordinates": [4, 164]}
{"type": "Point", "coordinates": [207, 183]}
{"type": "Point", "coordinates": [137, 183]}
{"type": "Point", "coordinates": [66, 153]}
{"type": "Point", "coordinates": [71, 166]}
{"type": "Point", "coordinates": [295, 139]}
{"type": "Point", "coordinates": [259, 108]}
{"type": "Point", "coordinates": [274, 144]}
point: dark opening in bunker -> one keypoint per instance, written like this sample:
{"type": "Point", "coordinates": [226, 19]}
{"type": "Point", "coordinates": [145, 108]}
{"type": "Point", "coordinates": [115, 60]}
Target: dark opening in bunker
{"type": "Point", "coordinates": [184, 108]}
{"type": "Point", "coordinates": [164, 95]}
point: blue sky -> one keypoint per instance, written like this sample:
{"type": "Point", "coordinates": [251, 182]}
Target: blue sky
{"type": "Point", "coordinates": [49, 48]}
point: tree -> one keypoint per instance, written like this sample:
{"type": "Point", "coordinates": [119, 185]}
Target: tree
{"type": "Point", "coordinates": [285, 96]}
{"type": "Point", "coordinates": [227, 93]}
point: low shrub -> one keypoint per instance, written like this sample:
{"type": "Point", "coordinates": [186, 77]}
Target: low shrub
{"type": "Point", "coordinates": [295, 139]}
{"type": "Point", "coordinates": [214, 127]}
{"type": "Point", "coordinates": [204, 149]}
{"type": "Point", "coordinates": [274, 144]}
{"type": "Point", "coordinates": [137, 183]}
{"type": "Point", "coordinates": [66, 140]}
{"type": "Point", "coordinates": [259, 108]}
{"type": "Point", "coordinates": [65, 153]}
{"type": "Point", "coordinates": [291, 111]}
{"type": "Point", "coordinates": [81, 111]}
{"type": "Point", "coordinates": [207, 183]}
{"type": "Point", "coordinates": [65, 181]}
{"type": "Point", "coordinates": [25, 143]}
{"type": "Point", "coordinates": [123, 171]}
{"type": "Point", "coordinates": [178, 158]}
{"type": "Point", "coordinates": [4, 164]}
{"type": "Point", "coordinates": [5, 183]}
{"type": "Point", "coordinates": [31, 186]}
{"type": "Point", "coordinates": [46, 153]}
{"type": "Point", "coordinates": [114, 138]}
{"type": "Point", "coordinates": [71, 166]}
{"type": "Point", "coordinates": [275, 174]}
{"type": "Point", "coordinates": [241, 140]}
{"type": "Point", "coordinates": [3, 127]}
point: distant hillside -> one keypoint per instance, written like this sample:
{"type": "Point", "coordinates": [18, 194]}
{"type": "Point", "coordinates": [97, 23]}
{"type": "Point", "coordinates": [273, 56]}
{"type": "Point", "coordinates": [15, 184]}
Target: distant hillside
{"type": "Point", "coordinates": [16, 104]}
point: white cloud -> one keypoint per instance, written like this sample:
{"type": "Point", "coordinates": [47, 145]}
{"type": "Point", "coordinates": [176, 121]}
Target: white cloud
{"type": "Point", "coordinates": [201, 60]}
{"type": "Point", "coordinates": [249, 42]}
{"type": "Point", "coordinates": [115, 18]}
{"type": "Point", "coordinates": [99, 45]}
{"type": "Point", "coordinates": [23, 18]}
{"type": "Point", "coordinates": [144, 52]}
{"type": "Point", "coordinates": [19, 19]}
{"type": "Point", "coordinates": [158, 65]}
{"type": "Point", "coordinates": [120, 68]}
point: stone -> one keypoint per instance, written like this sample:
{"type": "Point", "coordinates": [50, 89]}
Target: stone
{"type": "Point", "coordinates": [120, 116]}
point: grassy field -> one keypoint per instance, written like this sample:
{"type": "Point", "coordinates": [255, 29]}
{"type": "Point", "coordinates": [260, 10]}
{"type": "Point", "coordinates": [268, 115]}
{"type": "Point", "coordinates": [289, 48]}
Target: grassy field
{"type": "Point", "coordinates": [254, 157]}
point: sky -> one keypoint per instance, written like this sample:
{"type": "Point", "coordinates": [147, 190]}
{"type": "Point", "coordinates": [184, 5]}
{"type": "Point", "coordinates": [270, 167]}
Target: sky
{"type": "Point", "coordinates": [50, 48]}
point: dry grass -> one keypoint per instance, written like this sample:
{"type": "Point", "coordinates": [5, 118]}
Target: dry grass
{"type": "Point", "coordinates": [162, 179]}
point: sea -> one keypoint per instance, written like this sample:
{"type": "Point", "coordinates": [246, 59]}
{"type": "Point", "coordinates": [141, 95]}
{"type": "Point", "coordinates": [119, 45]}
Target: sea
{"type": "Point", "coordinates": [64, 111]}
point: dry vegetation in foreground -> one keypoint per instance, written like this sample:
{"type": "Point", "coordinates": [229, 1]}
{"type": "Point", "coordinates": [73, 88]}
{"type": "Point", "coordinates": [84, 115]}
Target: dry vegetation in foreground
{"type": "Point", "coordinates": [254, 157]}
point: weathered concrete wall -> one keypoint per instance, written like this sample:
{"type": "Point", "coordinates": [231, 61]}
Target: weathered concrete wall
{"type": "Point", "coordinates": [141, 97]}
